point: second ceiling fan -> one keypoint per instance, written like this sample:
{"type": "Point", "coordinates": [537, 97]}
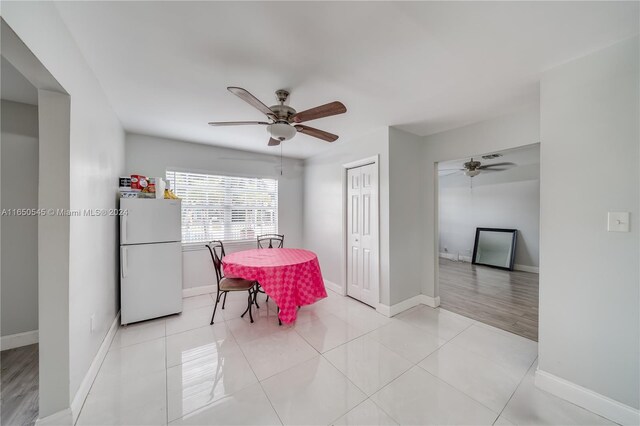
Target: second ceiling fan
{"type": "Point", "coordinates": [284, 121]}
{"type": "Point", "coordinates": [473, 168]}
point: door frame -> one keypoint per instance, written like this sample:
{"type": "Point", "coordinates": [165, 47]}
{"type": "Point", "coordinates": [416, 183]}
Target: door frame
{"type": "Point", "coordinates": [375, 160]}
{"type": "Point", "coordinates": [54, 136]}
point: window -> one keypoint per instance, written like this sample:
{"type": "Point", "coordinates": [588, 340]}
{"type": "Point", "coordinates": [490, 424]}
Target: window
{"type": "Point", "coordinates": [225, 207]}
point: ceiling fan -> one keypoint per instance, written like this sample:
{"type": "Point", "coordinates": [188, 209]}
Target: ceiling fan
{"type": "Point", "coordinates": [473, 168]}
{"type": "Point", "coordinates": [284, 121]}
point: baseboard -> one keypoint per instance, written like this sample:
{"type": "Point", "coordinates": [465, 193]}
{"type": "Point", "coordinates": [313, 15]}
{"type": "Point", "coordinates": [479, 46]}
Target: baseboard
{"type": "Point", "coordinates": [19, 339]}
{"type": "Point", "coordinates": [516, 267]}
{"type": "Point", "coordinates": [432, 302]}
{"type": "Point", "coordinates": [421, 299]}
{"type": "Point", "coordinates": [197, 291]}
{"type": "Point", "coordinates": [90, 376]}
{"type": "Point", "coordinates": [588, 399]}
{"type": "Point", "coordinates": [334, 287]}
{"type": "Point", "coordinates": [455, 258]}
{"type": "Point", "coordinates": [61, 418]}
{"type": "Point", "coordinates": [525, 268]}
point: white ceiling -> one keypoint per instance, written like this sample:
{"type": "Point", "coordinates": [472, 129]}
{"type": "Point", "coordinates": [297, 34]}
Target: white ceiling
{"type": "Point", "coordinates": [423, 66]}
{"type": "Point", "coordinates": [14, 86]}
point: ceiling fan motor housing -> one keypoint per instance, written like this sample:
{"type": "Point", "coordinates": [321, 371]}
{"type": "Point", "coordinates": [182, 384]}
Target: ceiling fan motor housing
{"type": "Point", "coordinates": [283, 112]}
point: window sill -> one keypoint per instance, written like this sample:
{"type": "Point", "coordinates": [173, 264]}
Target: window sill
{"type": "Point", "coordinates": [230, 244]}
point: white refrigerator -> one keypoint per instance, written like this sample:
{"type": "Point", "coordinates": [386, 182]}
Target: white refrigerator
{"type": "Point", "coordinates": [150, 259]}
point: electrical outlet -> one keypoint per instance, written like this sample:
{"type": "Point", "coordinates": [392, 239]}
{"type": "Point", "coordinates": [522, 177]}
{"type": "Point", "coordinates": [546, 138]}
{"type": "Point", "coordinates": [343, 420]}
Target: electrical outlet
{"type": "Point", "coordinates": [92, 324]}
{"type": "Point", "coordinates": [618, 222]}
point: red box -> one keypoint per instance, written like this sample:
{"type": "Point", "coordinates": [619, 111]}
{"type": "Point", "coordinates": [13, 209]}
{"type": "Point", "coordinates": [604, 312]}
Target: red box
{"type": "Point", "coordinates": [139, 182]}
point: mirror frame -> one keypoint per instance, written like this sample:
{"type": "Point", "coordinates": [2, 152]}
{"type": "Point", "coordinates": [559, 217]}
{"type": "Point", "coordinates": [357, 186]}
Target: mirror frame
{"type": "Point", "coordinates": [514, 238]}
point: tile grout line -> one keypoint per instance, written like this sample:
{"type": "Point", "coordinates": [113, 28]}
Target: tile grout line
{"type": "Point", "coordinates": [259, 381]}
{"type": "Point", "coordinates": [166, 376]}
{"type": "Point", "coordinates": [515, 390]}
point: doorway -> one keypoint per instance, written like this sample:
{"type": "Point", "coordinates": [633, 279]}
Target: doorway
{"type": "Point", "coordinates": [19, 290]}
{"type": "Point", "coordinates": [362, 238]}
{"type": "Point", "coordinates": [51, 361]}
{"type": "Point", "coordinates": [497, 190]}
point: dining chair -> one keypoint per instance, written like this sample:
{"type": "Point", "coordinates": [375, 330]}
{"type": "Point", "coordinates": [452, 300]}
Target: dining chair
{"type": "Point", "coordinates": [268, 241]}
{"type": "Point", "coordinates": [226, 285]}
{"type": "Point", "coordinates": [271, 241]}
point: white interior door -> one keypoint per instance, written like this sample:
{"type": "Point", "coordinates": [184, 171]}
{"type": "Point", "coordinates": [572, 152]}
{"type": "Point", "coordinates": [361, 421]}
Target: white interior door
{"type": "Point", "coordinates": [362, 230]}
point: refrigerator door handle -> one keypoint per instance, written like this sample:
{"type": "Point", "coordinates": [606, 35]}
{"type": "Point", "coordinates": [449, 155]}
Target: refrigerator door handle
{"type": "Point", "coordinates": [124, 262]}
{"type": "Point", "coordinates": [123, 230]}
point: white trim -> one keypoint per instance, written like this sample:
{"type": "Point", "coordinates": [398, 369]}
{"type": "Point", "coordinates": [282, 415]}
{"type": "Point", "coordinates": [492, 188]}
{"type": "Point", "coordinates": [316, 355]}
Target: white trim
{"type": "Point", "coordinates": [87, 381]}
{"type": "Point", "coordinates": [334, 287]}
{"type": "Point", "coordinates": [362, 162]}
{"type": "Point", "coordinates": [197, 291]}
{"type": "Point", "coordinates": [525, 268]}
{"type": "Point", "coordinates": [233, 244]}
{"type": "Point", "coordinates": [421, 299]}
{"type": "Point", "coordinates": [19, 339]}
{"type": "Point", "coordinates": [60, 418]}
{"type": "Point", "coordinates": [516, 267]}
{"type": "Point", "coordinates": [274, 176]}
{"type": "Point", "coordinates": [432, 302]}
{"type": "Point", "coordinates": [455, 257]}
{"type": "Point", "coordinates": [586, 398]}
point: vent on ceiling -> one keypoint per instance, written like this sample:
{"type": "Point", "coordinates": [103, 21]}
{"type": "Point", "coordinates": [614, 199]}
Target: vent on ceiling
{"type": "Point", "coordinates": [491, 156]}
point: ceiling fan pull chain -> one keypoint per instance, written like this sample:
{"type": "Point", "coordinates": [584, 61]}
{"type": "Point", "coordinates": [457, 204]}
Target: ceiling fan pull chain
{"type": "Point", "coordinates": [281, 159]}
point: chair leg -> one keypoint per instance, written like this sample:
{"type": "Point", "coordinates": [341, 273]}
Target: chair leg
{"type": "Point", "coordinates": [279, 320]}
{"type": "Point", "coordinates": [214, 309]}
{"type": "Point", "coordinates": [224, 302]}
{"type": "Point", "coordinates": [249, 303]}
{"type": "Point", "coordinates": [255, 296]}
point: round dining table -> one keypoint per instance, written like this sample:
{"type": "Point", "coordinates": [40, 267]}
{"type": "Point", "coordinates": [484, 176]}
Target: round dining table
{"type": "Point", "coordinates": [290, 276]}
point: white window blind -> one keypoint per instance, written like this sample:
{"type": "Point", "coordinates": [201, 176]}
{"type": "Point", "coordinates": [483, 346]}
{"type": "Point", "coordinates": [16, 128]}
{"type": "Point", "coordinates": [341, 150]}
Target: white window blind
{"type": "Point", "coordinates": [225, 208]}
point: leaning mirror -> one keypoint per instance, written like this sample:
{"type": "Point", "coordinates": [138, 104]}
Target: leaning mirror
{"type": "Point", "coordinates": [495, 247]}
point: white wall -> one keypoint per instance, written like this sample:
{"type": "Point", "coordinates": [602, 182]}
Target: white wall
{"type": "Point", "coordinates": [510, 131]}
{"type": "Point", "coordinates": [406, 214]}
{"type": "Point", "coordinates": [324, 205]}
{"type": "Point", "coordinates": [589, 278]}
{"type": "Point", "coordinates": [497, 200]}
{"type": "Point", "coordinates": [152, 156]}
{"type": "Point", "coordinates": [96, 158]}
{"type": "Point", "coordinates": [19, 145]}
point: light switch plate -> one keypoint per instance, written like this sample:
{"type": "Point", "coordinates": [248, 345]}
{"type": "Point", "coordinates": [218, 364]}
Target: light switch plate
{"type": "Point", "coordinates": [618, 222]}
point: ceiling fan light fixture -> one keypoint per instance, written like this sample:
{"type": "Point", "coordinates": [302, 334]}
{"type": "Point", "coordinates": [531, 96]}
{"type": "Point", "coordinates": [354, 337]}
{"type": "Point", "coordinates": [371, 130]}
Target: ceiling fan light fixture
{"type": "Point", "coordinates": [472, 173]}
{"type": "Point", "coordinates": [281, 131]}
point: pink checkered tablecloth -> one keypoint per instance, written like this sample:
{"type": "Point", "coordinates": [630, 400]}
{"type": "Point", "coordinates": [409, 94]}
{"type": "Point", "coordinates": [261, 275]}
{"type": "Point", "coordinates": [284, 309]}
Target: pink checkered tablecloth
{"type": "Point", "coordinates": [291, 277]}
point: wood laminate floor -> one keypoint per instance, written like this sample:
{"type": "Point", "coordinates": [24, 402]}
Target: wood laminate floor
{"type": "Point", "coordinates": [504, 299]}
{"type": "Point", "coordinates": [19, 385]}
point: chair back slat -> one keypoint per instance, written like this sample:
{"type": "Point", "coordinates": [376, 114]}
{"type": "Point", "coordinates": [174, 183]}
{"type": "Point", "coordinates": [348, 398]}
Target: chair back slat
{"type": "Point", "coordinates": [216, 249]}
{"type": "Point", "coordinates": [270, 241]}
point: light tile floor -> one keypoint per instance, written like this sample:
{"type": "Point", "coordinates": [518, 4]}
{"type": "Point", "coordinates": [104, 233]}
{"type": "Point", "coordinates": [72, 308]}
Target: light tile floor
{"type": "Point", "coordinates": [342, 363]}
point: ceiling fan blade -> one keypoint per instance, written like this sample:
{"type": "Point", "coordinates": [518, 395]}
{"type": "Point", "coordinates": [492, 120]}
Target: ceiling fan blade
{"type": "Point", "coordinates": [494, 170]}
{"type": "Point", "coordinates": [273, 142]}
{"type": "Point", "coordinates": [251, 100]}
{"type": "Point", "coordinates": [327, 110]}
{"type": "Point", "coordinates": [316, 133]}
{"type": "Point", "coordinates": [496, 164]}
{"type": "Point", "coordinates": [448, 170]}
{"type": "Point", "coordinates": [236, 123]}
{"type": "Point", "coordinates": [451, 173]}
